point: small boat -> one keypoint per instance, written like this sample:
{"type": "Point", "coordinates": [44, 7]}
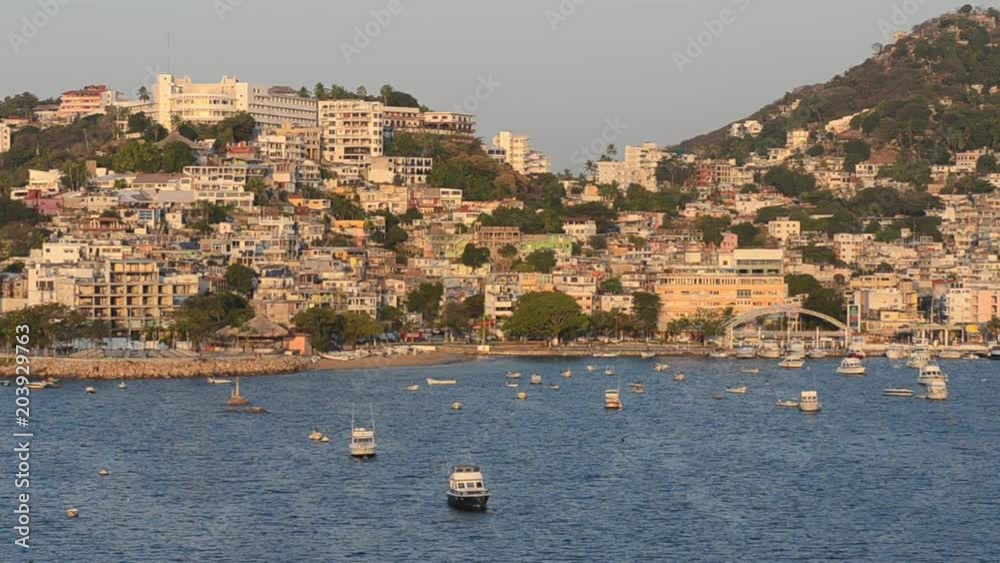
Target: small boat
{"type": "Point", "coordinates": [72, 513]}
{"type": "Point", "coordinates": [456, 406]}
{"type": "Point", "coordinates": [680, 377]}
{"type": "Point", "coordinates": [718, 354]}
{"type": "Point", "coordinates": [851, 366]}
{"type": "Point", "coordinates": [741, 390]}
{"type": "Point", "coordinates": [36, 385]}
{"type": "Point", "coordinates": [607, 354]}
{"type": "Point", "coordinates": [817, 354]}
{"type": "Point", "coordinates": [786, 404]}
{"type": "Point", "coordinates": [103, 472]}
{"type": "Point", "coordinates": [413, 388]}
{"type": "Point", "coordinates": [792, 362]}
{"type": "Point", "coordinates": [521, 396]}
{"type": "Point", "coordinates": [638, 388]}
{"type": "Point", "coordinates": [90, 390]}
{"type": "Point", "coordinates": [971, 356]}
{"type": "Point", "coordinates": [750, 370]}
{"type": "Point", "coordinates": [897, 352]}
{"type": "Point", "coordinates": [567, 373]}
{"type": "Point", "coordinates": [994, 351]}
{"type": "Point", "coordinates": [609, 371]}
{"type": "Point", "coordinates": [217, 381]}
{"type": "Point", "coordinates": [591, 367]}
{"type": "Point", "coordinates": [324, 439]}
{"type": "Point", "coordinates": [536, 379]}
{"type": "Point", "coordinates": [554, 387]}
{"type": "Point", "coordinates": [441, 381]}
{"type": "Point", "coordinates": [937, 390]}
{"type": "Point", "coordinates": [362, 439]}
{"type": "Point", "coordinates": [855, 350]}
{"type": "Point", "coordinates": [931, 372]}
{"type": "Point", "coordinates": [512, 385]}
{"type": "Point", "coordinates": [647, 355]}
{"type": "Point", "coordinates": [315, 436]}
{"type": "Point", "coordinates": [612, 399]}
{"type": "Point", "coordinates": [950, 355]}
{"type": "Point", "coordinates": [466, 488]}
{"type": "Point", "coordinates": [897, 392]}
{"type": "Point", "coordinates": [746, 352]}
{"type": "Point", "coordinates": [918, 359]}
{"type": "Point", "coordinates": [514, 374]}
{"type": "Point", "coordinates": [661, 367]}
{"type": "Point", "coordinates": [123, 385]}
{"type": "Point", "coordinates": [5, 383]}
{"type": "Point", "coordinates": [809, 402]}
{"type": "Point", "coordinates": [769, 349]}
{"type": "Point", "coordinates": [235, 399]}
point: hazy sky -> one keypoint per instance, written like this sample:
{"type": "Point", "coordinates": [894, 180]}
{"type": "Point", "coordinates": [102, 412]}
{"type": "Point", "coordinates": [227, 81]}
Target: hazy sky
{"type": "Point", "coordinates": [559, 68]}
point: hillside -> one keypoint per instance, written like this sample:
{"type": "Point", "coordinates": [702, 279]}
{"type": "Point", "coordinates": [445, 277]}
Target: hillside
{"type": "Point", "coordinates": [930, 94]}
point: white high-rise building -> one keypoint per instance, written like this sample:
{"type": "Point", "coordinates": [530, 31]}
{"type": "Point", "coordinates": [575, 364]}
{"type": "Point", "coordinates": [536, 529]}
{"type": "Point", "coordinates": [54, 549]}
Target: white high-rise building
{"type": "Point", "coordinates": [4, 138]}
{"type": "Point", "coordinates": [516, 151]}
{"type": "Point", "coordinates": [353, 130]}
{"type": "Point", "coordinates": [270, 106]}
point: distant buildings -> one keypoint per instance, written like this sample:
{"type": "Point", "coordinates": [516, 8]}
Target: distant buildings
{"type": "Point", "coordinates": [639, 167]}
{"type": "Point", "coordinates": [4, 137]}
{"type": "Point", "coordinates": [89, 100]}
{"type": "Point", "coordinates": [516, 151]}
{"type": "Point", "coordinates": [353, 131]}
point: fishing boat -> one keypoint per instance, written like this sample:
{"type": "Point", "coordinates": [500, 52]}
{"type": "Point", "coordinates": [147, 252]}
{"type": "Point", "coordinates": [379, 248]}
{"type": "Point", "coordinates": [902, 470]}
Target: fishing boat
{"type": "Point", "coordinates": [612, 399]}
{"type": "Point", "coordinates": [441, 381]}
{"type": "Point", "coordinates": [218, 381]}
{"type": "Point", "coordinates": [638, 387]}
{"type": "Point", "coordinates": [466, 488]}
{"type": "Point", "coordinates": [792, 362]}
{"type": "Point", "coordinates": [514, 375]}
{"type": "Point", "coordinates": [931, 372]}
{"type": "Point", "coordinates": [786, 404]}
{"type": "Point", "coordinates": [769, 349]}
{"type": "Point", "coordinates": [36, 385]}
{"type": "Point", "coordinates": [937, 390]}
{"type": "Point", "coordinates": [512, 385]}
{"type": "Point", "coordinates": [123, 385]}
{"type": "Point", "coordinates": [315, 436]}
{"type": "Point", "coordinates": [851, 366]}
{"type": "Point", "coordinates": [90, 390]}
{"type": "Point", "coordinates": [817, 353]}
{"type": "Point", "coordinates": [554, 387]}
{"type": "Point", "coordinates": [607, 354]}
{"type": "Point", "coordinates": [609, 371]}
{"type": "Point", "coordinates": [591, 367]}
{"type": "Point", "coordinates": [647, 355]}
{"type": "Point", "coordinates": [971, 356]}
{"type": "Point", "coordinates": [750, 370]}
{"type": "Point", "coordinates": [567, 373]}
{"type": "Point", "coordinates": [413, 388]}
{"type": "Point", "coordinates": [536, 379]}
{"type": "Point", "coordinates": [895, 392]}
{"type": "Point", "coordinates": [661, 367]}
{"type": "Point", "coordinates": [718, 354]}
{"type": "Point", "coordinates": [950, 355]}
{"type": "Point", "coordinates": [897, 352]}
{"type": "Point", "coordinates": [918, 359]}
{"type": "Point", "coordinates": [680, 377]}
{"type": "Point", "coordinates": [235, 399]}
{"type": "Point", "coordinates": [741, 390]}
{"type": "Point", "coordinates": [456, 406]}
{"type": "Point", "coordinates": [995, 351]}
{"type": "Point", "coordinates": [362, 439]}
{"type": "Point", "coordinates": [521, 396]}
{"type": "Point", "coordinates": [809, 402]}
{"type": "Point", "coordinates": [746, 352]}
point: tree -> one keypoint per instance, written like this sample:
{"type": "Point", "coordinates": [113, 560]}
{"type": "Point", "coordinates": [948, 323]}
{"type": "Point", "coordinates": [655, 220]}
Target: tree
{"type": "Point", "coordinates": [712, 228]}
{"type": "Point", "coordinates": [612, 286]}
{"type": "Point", "coordinates": [646, 311]}
{"type": "Point", "coordinates": [385, 92]}
{"type": "Point", "coordinates": [820, 299]}
{"type": "Point", "coordinates": [987, 164]}
{"type": "Point", "coordinates": [321, 325]}
{"type": "Point", "coordinates": [303, 92]}
{"type": "Point", "coordinates": [136, 156]}
{"type": "Point", "coordinates": [548, 314]}
{"type": "Point", "coordinates": [475, 257]}
{"type": "Point", "coordinates": [542, 261]}
{"type": "Point", "coordinates": [176, 155]}
{"type": "Point", "coordinates": [455, 317]}
{"type": "Point", "coordinates": [143, 94]}
{"type": "Point", "coordinates": [508, 252]}
{"type": "Point", "coordinates": [475, 305]}
{"type": "Point", "coordinates": [425, 300]}
{"type": "Point", "coordinates": [201, 315]}
{"type": "Point", "coordinates": [240, 278]}
{"type": "Point", "coordinates": [319, 91]}
{"type": "Point", "coordinates": [355, 327]}
{"type": "Point", "coordinates": [74, 175]}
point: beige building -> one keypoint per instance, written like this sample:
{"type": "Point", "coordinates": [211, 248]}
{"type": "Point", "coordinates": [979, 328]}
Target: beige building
{"type": "Point", "coordinates": [405, 170]}
{"type": "Point", "coordinates": [516, 151]}
{"type": "Point", "coordinates": [353, 131]}
{"type": "Point", "coordinates": [784, 229]}
{"type": "Point", "coordinates": [270, 106]}
{"type": "Point", "coordinates": [291, 142]}
{"type": "Point", "coordinates": [682, 295]}
{"type": "Point", "coordinates": [4, 137]}
{"type": "Point", "coordinates": [639, 167]}
{"type": "Point", "coordinates": [88, 100]}
{"type": "Point", "coordinates": [133, 294]}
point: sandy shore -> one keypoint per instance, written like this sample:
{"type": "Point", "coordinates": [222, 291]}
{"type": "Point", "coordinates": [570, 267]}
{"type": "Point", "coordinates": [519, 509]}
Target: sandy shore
{"type": "Point", "coordinates": [394, 361]}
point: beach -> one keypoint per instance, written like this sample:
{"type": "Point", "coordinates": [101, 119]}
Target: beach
{"type": "Point", "coordinates": [435, 358]}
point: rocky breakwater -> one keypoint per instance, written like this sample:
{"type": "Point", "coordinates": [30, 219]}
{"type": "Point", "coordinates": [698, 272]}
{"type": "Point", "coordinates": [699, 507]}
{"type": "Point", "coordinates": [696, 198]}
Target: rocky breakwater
{"type": "Point", "coordinates": [165, 368]}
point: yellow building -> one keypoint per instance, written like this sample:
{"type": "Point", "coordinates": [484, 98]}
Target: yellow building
{"type": "Point", "coordinates": [353, 130]}
{"type": "Point", "coordinates": [682, 295]}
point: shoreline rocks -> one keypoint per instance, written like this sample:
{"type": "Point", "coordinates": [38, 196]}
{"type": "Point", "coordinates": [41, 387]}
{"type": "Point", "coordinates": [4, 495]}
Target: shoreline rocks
{"type": "Point", "coordinates": [165, 368]}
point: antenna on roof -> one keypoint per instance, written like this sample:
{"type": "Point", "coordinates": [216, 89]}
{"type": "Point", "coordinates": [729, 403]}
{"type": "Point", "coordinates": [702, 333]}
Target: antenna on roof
{"type": "Point", "coordinates": [169, 70]}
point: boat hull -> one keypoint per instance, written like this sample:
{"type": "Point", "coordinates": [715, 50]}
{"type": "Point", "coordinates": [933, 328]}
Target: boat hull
{"type": "Point", "coordinates": [471, 503]}
{"type": "Point", "coordinates": [363, 453]}
{"type": "Point", "coordinates": [851, 371]}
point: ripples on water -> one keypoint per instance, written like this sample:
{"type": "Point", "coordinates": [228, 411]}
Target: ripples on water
{"type": "Point", "coordinates": [676, 475]}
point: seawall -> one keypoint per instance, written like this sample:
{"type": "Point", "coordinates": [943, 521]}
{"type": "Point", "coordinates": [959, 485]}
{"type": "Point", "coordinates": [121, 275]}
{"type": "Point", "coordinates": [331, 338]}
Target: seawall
{"type": "Point", "coordinates": [161, 368]}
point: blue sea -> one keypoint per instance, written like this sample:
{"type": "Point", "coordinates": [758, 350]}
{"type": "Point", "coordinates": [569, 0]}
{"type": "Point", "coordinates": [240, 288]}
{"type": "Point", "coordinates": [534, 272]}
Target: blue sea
{"type": "Point", "coordinates": [677, 475]}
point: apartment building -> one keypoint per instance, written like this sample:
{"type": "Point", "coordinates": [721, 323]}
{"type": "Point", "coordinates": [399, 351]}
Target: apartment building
{"type": "Point", "coordinates": [386, 197]}
{"type": "Point", "coordinates": [850, 247]}
{"type": "Point", "coordinates": [784, 229]}
{"type": "Point", "coordinates": [5, 137]}
{"type": "Point", "coordinates": [449, 123]}
{"type": "Point", "coordinates": [291, 142]}
{"type": "Point", "coordinates": [516, 151]}
{"type": "Point", "coordinates": [133, 294]}
{"type": "Point", "coordinates": [683, 294]}
{"type": "Point", "coordinates": [639, 167]}
{"type": "Point", "coordinates": [88, 100]}
{"type": "Point", "coordinates": [353, 131]}
{"type": "Point", "coordinates": [406, 170]}
{"type": "Point", "coordinates": [270, 106]}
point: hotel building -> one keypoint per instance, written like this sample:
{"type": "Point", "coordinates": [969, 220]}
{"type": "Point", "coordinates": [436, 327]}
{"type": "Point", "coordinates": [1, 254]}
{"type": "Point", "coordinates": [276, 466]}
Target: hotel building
{"type": "Point", "coordinates": [352, 130]}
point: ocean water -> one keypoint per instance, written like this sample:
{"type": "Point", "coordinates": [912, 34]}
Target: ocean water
{"type": "Point", "coordinates": [675, 476]}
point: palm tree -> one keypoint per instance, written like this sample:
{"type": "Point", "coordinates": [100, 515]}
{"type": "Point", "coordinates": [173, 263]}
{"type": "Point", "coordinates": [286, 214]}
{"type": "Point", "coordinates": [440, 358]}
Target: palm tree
{"type": "Point", "coordinates": [143, 94]}
{"type": "Point", "coordinates": [319, 92]}
{"type": "Point", "coordinates": [385, 92]}
{"type": "Point", "coordinates": [176, 121]}
{"type": "Point", "coordinates": [590, 167]}
{"type": "Point", "coordinates": [362, 92]}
